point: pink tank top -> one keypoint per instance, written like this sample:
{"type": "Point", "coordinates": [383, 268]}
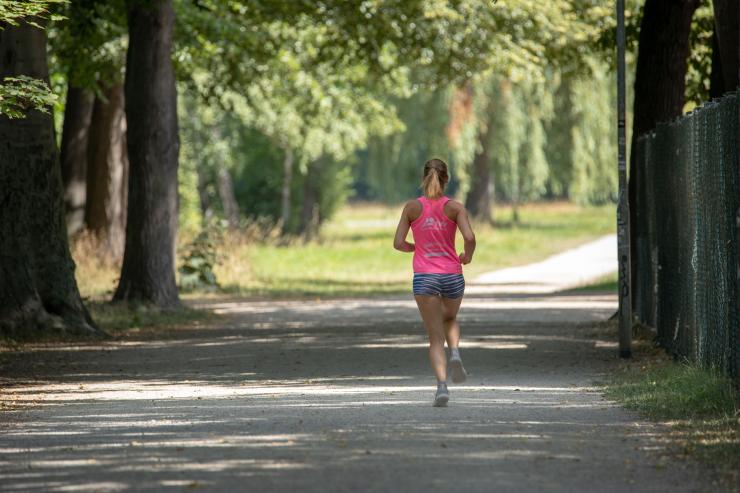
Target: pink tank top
{"type": "Point", "coordinates": [434, 239]}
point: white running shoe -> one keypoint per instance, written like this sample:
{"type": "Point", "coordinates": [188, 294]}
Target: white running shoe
{"type": "Point", "coordinates": [457, 370]}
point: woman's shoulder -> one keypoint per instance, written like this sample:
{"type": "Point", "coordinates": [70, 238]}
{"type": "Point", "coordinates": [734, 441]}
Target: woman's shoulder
{"type": "Point", "coordinates": [452, 208]}
{"type": "Point", "coordinates": [454, 205]}
{"type": "Point", "coordinates": [413, 209]}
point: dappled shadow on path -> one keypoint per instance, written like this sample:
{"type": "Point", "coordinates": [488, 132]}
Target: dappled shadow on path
{"type": "Point", "coordinates": [330, 396]}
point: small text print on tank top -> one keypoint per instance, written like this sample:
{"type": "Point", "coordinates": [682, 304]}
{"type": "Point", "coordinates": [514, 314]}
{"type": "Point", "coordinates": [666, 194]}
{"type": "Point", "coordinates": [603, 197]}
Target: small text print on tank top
{"type": "Point", "coordinates": [439, 253]}
{"type": "Point", "coordinates": [433, 224]}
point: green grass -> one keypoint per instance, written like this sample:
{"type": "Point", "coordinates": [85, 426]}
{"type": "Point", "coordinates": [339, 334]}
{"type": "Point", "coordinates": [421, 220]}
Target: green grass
{"type": "Point", "coordinates": [700, 407]}
{"type": "Point", "coordinates": [606, 283]}
{"type": "Point", "coordinates": [120, 319]}
{"type": "Point", "coordinates": [354, 255]}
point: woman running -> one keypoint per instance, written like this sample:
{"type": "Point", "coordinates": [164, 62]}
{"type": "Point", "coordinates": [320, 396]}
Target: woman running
{"type": "Point", "coordinates": [438, 280]}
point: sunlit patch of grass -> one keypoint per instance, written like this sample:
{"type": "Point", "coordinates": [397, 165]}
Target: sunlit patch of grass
{"type": "Point", "coordinates": [606, 283]}
{"type": "Point", "coordinates": [121, 319]}
{"type": "Point", "coordinates": [701, 407]}
{"type": "Point", "coordinates": [354, 255]}
{"type": "Point", "coordinates": [96, 272]}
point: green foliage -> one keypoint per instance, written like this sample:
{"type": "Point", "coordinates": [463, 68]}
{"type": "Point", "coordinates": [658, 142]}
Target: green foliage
{"type": "Point", "coordinates": [13, 11]}
{"type": "Point", "coordinates": [196, 270]}
{"type": "Point", "coordinates": [594, 147]}
{"type": "Point", "coordinates": [389, 169]}
{"type": "Point", "coordinates": [698, 74]}
{"type": "Point", "coordinates": [20, 94]}
{"type": "Point", "coordinates": [89, 45]}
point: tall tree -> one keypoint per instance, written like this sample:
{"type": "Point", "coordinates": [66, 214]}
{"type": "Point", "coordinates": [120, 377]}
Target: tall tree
{"type": "Point", "coordinates": [37, 284]}
{"type": "Point", "coordinates": [478, 201]}
{"type": "Point", "coordinates": [148, 271]}
{"type": "Point", "coordinates": [77, 113]}
{"type": "Point", "coordinates": [660, 84]}
{"type": "Point", "coordinates": [107, 172]}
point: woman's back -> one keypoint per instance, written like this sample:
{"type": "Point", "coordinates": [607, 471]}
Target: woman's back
{"type": "Point", "coordinates": [434, 237]}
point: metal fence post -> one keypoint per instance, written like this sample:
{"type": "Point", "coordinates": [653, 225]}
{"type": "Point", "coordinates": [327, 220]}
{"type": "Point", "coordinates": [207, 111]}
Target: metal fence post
{"type": "Point", "coordinates": [623, 216]}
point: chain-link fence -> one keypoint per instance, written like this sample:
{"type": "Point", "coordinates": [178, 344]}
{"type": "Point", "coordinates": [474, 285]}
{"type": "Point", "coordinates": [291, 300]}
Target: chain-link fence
{"type": "Point", "coordinates": [686, 278]}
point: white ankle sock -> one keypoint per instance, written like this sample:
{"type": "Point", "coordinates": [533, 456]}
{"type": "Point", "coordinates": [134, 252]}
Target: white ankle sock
{"type": "Point", "coordinates": [454, 352]}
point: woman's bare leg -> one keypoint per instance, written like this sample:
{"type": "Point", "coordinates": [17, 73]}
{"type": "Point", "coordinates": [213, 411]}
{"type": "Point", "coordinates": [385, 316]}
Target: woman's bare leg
{"type": "Point", "coordinates": [450, 307]}
{"type": "Point", "coordinates": [430, 308]}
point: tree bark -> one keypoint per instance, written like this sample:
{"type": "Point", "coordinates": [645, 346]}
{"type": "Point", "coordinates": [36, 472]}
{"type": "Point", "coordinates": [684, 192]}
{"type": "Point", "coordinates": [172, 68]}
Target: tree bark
{"type": "Point", "coordinates": [660, 86]}
{"type": "Point", "coordinates": [77, 113]}
{"type": "Point", "coordinates": [287, 182]}
{"type": "Point", "coordinates": [309, 223]}
{"type": "Point", "coordinates": [105, 210]}
{"type": "Point", "coordinates": [37, 284]}
{"type": "Point", "coordinates": [228, 200]}
{"type": "Point", "coordinates": [726, 24]}
{"type": "Point", "coordinates": [148, 271]}
{"type": "Point", "coordinates": [717, 78]}
{"type": "Point", "coordinates": [203, 196]}
{"type": "Point", "coordinates": [478, 201]}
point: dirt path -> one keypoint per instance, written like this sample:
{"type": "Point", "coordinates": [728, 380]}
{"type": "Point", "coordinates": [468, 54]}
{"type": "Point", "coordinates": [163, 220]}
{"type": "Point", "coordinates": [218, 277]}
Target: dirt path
{"type": "Point", "coordinates": [336, 396]}
{"type": "Point", "coordinates": [575, 267]}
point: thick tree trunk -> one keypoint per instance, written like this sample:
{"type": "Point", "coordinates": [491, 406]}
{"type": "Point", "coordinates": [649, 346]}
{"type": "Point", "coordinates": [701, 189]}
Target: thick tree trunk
{"type": "Point", "coordinates": [287, 183]}
{"type": "Point", "coordinates": [660, 85]}
{"type": "Point", "coordinates": [478, 201]}
{"type": "Point", "coordinates": [105, 210]}
{"type": "Point", "coordinates": [228, 199]}
{"type": "Point", "coordinates": [77, 113]}
{"type": "Point", "coordinates": [726, 23]}
{"type": "Point", "coordinates": [37, 284]}
{"type": "Point", "coordinates": [148, 272]}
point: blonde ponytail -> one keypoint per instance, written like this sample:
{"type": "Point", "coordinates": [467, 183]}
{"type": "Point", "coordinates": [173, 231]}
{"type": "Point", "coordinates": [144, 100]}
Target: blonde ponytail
{"type": "Point", "coordinates": [435, 178]}
{"type": "Point", "coordinates": [432, 186]}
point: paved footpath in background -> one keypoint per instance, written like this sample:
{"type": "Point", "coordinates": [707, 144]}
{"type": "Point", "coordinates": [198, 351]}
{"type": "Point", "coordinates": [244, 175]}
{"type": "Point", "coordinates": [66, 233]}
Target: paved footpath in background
{"type": "Point", "coordinates": [324, 396]}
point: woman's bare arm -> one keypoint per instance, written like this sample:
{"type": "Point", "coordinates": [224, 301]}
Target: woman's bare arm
{"type": "Point", "coordinates": [399, 242]}
{"type": "Point", "coordinates": [463, 224]}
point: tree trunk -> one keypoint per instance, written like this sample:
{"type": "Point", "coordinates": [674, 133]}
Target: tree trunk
{"type": "Point", "coordinates": [203, 197]}
{"type": "Point", "coordinates": [37, 284]}
{"type": "Point", "coordinates": [717, 78]}
{"type": "Point", "coordinates": [660, 86]}
{"type": "Point", "coordinates": [228, 200]}
{"type": "Point", "coordinates": [287, 182]}
{"type": "Point", "coordinates": [726, 24]}
{"type": "Point", "coordinates": [105, 210]}
{"type": "Point", "coordinates": [148, 272]}
{"type": "Point", "coordinates": [77, 113]}
{"type": "Point", "coordinates": [478, 201]}
{"type": "Point", "coordinates": [309, 223]}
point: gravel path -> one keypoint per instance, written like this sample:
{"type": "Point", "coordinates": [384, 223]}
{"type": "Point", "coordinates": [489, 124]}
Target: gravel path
{"type": "Point", "coordinates": [325, 396]}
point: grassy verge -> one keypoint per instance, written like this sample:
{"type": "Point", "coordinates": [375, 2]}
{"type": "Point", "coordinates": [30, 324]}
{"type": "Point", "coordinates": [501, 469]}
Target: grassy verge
{"type": "Point", "coordinates": [121, 321]}
{"type": "Point", "coordinates": [700, 407]}
{"type": "Point", "coordinates": [354, 256]}
{"type": "Point", "coordinates": [606, 283]}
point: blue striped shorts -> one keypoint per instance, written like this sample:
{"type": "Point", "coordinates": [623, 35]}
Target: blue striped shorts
{"type": "Point", "coordinates": [444, 285]}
